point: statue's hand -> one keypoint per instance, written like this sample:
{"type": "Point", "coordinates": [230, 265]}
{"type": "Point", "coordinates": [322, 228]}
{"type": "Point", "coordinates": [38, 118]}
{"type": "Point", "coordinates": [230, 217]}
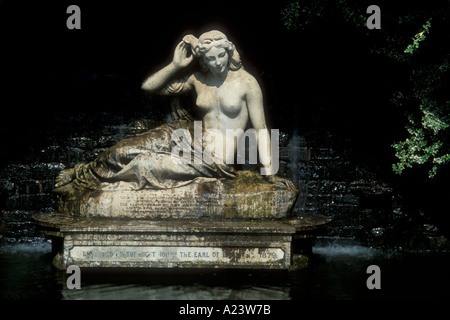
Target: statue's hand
{"type": "Point", "coordinates": [180, 56]}
{"type": "Point", "coordinates": [281, 182]}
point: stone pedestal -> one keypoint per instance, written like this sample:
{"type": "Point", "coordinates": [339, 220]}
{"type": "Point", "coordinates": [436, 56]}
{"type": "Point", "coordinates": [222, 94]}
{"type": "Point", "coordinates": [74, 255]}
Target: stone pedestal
{"type": "Point", "coordinates": [94, 242]}
{"type": "Point", "coordinates": [243, 222]}
{"type": "Point", "coordinates": [248, 196]}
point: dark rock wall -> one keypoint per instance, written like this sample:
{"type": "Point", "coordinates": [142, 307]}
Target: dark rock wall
{"type": "Point", "coordinates": [26, 184]}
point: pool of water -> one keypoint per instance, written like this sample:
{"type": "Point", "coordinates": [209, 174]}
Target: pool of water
{"type": "Point", "coordinates": [338, 271]}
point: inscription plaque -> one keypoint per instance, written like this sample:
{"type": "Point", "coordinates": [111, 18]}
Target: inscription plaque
{"type": "Point", "coordinates": [176, 254]}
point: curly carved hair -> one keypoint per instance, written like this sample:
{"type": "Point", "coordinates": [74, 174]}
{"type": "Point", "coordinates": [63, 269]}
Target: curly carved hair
{"type": "Point", "coordinates": [216, 39]}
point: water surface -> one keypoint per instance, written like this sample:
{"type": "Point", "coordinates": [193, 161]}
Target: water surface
{"type": "Point", "coordinates": [338, 271]}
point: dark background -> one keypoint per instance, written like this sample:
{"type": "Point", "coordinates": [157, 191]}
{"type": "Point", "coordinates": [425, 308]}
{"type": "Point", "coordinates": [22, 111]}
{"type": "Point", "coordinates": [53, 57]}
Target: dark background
{"type": "Point", "coordinates": [321, 83]}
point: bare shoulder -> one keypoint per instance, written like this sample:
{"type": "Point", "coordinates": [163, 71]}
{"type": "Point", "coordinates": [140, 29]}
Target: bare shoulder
{"type": "Point", "coordinates": [250, 81]}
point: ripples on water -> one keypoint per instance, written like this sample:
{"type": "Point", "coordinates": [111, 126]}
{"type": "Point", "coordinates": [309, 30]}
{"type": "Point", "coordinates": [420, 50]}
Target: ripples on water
{"type": "Point", "coordinates": [174, 292]}
{"type": "Point", "coordinates": [345, 251]}
{"type": "Point", "coordinates": [338, 271]}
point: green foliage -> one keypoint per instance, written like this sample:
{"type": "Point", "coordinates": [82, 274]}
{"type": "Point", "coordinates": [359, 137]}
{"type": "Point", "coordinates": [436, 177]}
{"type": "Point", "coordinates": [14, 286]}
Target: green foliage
{"type": "Point", "coordinates": [352, 13]}
{"type": "Point", "coordinates": [427, 142]}
{"type": "Point", "coordinates": [301, 14]}
{"type": "Point", "coordinates": [425, 99]}
{"type": "Point", "coordinates": [422, 146]}
{"type": "Point", "coordinates": [291, 16]}
{"type": "Point", "coordinates": [421, 36]}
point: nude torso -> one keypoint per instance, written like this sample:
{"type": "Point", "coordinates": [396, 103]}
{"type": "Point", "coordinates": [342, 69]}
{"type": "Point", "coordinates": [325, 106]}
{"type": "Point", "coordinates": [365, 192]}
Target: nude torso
{"type": "Point", "coordinates": [223, 106]}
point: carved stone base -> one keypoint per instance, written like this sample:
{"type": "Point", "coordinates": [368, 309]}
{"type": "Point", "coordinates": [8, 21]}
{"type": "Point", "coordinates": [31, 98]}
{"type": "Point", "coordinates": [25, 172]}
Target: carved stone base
{"type": "Point", "coordinates": [178, 243]}
{"type": "Point", "coordinates": [249, 196]}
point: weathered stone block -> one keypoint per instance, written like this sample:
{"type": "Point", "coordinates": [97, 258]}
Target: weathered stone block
{"type": "Point", "coordinates": [249, 196]}
{"type": "Point", "coordinates": [100, 242]}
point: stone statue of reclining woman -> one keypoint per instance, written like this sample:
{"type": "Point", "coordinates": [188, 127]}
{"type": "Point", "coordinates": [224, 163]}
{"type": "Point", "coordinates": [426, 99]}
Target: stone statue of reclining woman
{"type": "Point", "coordinates": [227, 97]}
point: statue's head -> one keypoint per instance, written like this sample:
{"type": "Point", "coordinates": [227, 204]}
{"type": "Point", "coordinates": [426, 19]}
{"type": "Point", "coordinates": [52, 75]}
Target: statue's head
{"type": "Point", "coordinates": [215, 51]}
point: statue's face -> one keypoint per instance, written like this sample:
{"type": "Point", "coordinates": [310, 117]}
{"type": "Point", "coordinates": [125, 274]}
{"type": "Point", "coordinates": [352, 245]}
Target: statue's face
{"type": "Point", "coordinates": [216, 59]}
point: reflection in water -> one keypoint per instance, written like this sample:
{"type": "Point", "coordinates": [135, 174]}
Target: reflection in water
{"type": "Point", "coordinates": [345, 251]}
{"type": "Point", "coordinates": [174, 292]}
{"type": "Point", "coordinates": [180, 284]}
{"type": "Point", "coordinates": [343, 248]}
{"type": "Point", "coordinates": [338, 271]}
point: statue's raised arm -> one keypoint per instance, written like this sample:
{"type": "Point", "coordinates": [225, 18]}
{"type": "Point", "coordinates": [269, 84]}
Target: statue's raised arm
{"type": "Point", "coordinates": [181, 59]}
